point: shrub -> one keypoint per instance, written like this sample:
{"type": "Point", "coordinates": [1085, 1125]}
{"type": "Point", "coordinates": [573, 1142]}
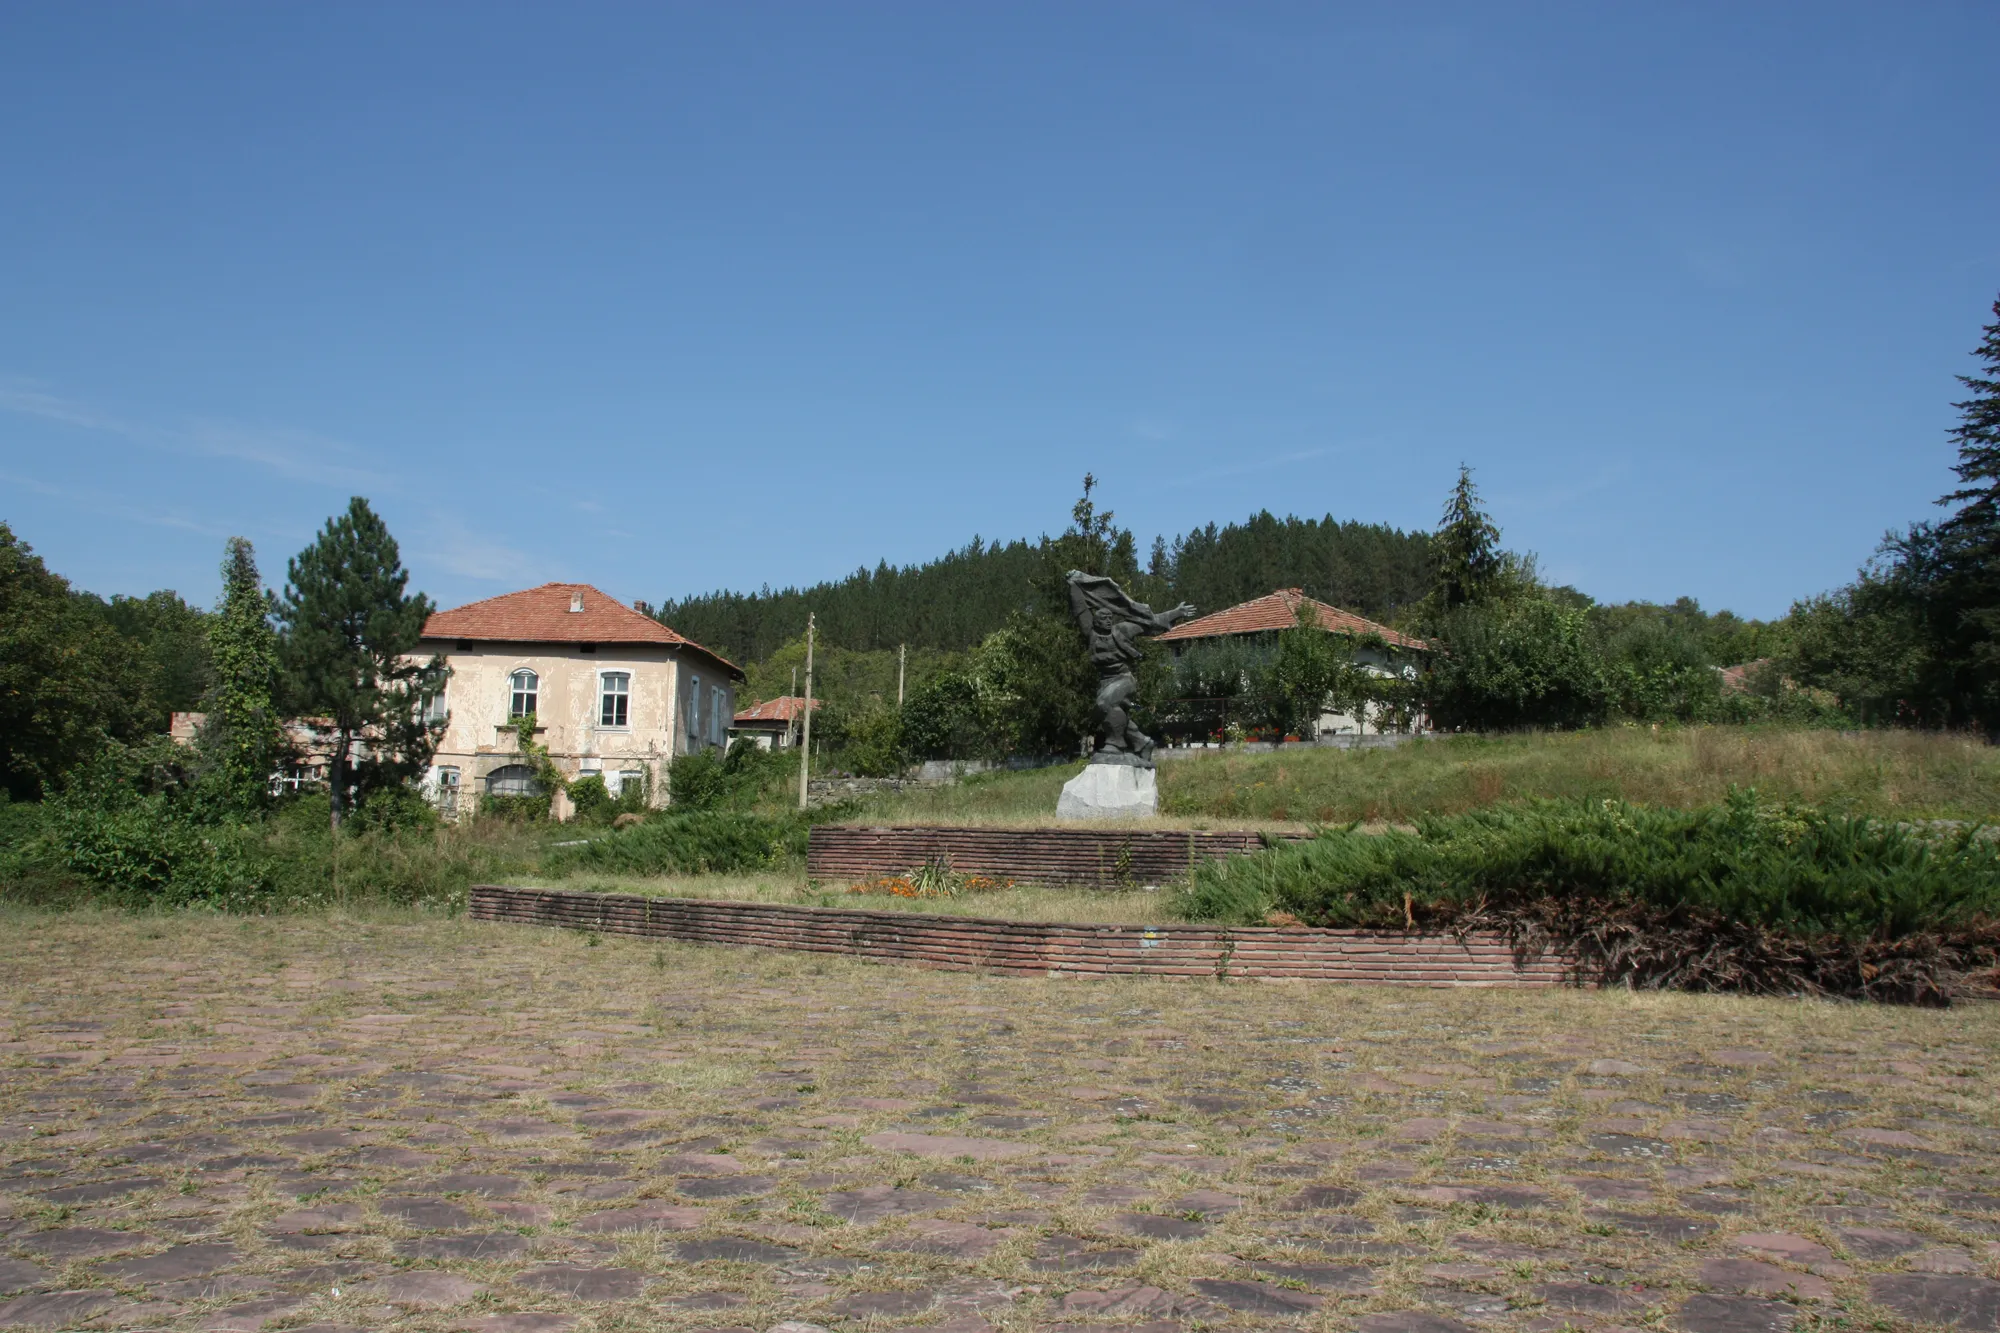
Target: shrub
{"type": "Point", "coordinates": [152, 850]}
{"type": "Point", "coordinates": [595, 804]}
{"type": "Point", "coordinates": [709, 780]}
{"type": "Point", "coordinates": [1739, 896]}
{"type": "Point", "coordinates": [685, 843]}
{"type": "Point", "coordinates": [1518, 664]}
{"type": "Point", "coordinates": [394, 809]}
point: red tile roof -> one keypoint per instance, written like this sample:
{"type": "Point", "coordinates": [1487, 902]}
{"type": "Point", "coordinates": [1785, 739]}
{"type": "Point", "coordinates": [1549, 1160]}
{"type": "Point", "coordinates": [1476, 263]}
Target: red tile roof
{"type": "Point", "coordinates": [1280, 610]}
{"type": "Point", "coordinates": [784, 708]}
{"type": "Point", "coordinates": [1735, 679]}
{"type": "Point", "coordinates": [543, 615]}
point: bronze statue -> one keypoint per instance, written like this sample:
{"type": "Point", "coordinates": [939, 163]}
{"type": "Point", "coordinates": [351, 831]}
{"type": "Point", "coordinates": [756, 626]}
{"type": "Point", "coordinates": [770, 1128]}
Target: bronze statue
{"type": "Point", "coordinates": [1112, 624]}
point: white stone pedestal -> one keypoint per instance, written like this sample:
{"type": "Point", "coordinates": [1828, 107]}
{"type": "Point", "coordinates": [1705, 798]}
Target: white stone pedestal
{"type": "Point", "coordinates": [1110, 791]}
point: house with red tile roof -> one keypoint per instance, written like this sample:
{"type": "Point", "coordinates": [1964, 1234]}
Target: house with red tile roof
{"type": "Point", "coordinates": [1258, 622]}
{"type": "Point", "coordinates": [612, 692]}
{"type": "Point", "coordinates": [773, 724]}
{"type": "Point", "coordinates": [1280, 611]}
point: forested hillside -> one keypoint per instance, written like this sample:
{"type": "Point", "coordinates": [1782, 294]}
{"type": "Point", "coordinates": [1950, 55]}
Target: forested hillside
{"type": "Point", "coordinates": [957, 600]}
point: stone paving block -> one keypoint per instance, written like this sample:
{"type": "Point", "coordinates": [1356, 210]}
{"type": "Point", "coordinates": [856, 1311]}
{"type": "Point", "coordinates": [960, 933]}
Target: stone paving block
{"type": "Point", "coordinates": [645, 1217]}
{"type": "Point", "coordinates": [1761, 1279]}
{"type": "Point", "coordinates": [55, 1309]}
{"type": "Point", "coordinates": [585, 1283]}
{"type": "Point", "coordinates": [1961, 1302]}
{"type": "Point", "coordinates": [63, 1244]}
{"type": "Point", "coordinates": [522, 1322]}
{"type": "Point", "coordinates": [423, 1288]}
{"type": "Point", "coordinates": [1257, 1297]}
{"type": "Point", "coordinates": [872, 1203]}
{"type": "Point", "coordinates": [1410, 1321]}
{"type": "Point", "coordinates": [1734, 1314]}
{"type": "Point", "coordinates": [181, 1261]}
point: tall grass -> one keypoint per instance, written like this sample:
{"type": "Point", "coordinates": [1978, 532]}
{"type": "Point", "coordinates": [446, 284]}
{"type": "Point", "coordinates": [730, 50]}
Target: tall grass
{"type": "Point", "coordinates": [1886, 773]}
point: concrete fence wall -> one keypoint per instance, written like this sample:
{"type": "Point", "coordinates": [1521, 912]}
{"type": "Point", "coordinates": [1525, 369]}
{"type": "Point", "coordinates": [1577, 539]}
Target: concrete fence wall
{"type": "Point", "coordinates": [1048, 948]}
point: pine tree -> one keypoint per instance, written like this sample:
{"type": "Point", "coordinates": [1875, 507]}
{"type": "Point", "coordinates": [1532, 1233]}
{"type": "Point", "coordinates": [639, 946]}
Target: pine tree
{"type": "Point", "coordinates": [1962, 613]}
{"type": "Point", "coordinates": [243, 735]}
{"type": "Point", "coordinates": [350, 632]}
{"type": "Point", "coordinates": [1978, 438]}
{"type": "Point", "coordinates": [1468, 552]}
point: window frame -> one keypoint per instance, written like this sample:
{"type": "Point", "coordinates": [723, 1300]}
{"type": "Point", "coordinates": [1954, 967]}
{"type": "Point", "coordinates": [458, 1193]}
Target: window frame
{"type": "Point", "coordinates": [515, 693]}
{"type": "Point", "coordinates": [623, 695]}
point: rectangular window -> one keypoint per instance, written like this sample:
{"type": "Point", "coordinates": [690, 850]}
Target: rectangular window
{"type": "Point", "coordinates": [715, 715]}
{"type": "Point", "coordinates": [435, 711]}
{"type": "Point", "coordinates": [616, 696]}
{"type": "Point", "coordinates": [694, 709]}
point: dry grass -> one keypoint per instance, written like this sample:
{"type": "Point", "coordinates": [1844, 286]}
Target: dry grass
{"type": "Point", "coordinates": [793, 889]}
{"type": "Point", "coordinates": [523, 1053]}
{"type": "Point", "coordinates": [1024, 800]}
{"type": "Point", "coordinates": [1891, 773]}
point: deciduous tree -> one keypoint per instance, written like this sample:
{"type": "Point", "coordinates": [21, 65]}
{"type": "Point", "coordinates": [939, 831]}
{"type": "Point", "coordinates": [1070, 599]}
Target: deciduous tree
{"type": "Point", "coordinates": [68, 682]}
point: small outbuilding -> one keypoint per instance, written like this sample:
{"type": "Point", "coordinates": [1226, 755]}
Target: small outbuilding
{"type": "Point", "coordinates": [773, 724]}
{"type": "Point", "coordinates": [1376, 648]}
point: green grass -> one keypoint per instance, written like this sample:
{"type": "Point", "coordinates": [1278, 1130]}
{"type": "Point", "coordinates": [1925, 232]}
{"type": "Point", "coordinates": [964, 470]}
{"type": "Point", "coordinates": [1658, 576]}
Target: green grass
{"type": "Point", "coordinates": [1899, 773]}
{"type": "Point", "coordinates": [1886, 773]}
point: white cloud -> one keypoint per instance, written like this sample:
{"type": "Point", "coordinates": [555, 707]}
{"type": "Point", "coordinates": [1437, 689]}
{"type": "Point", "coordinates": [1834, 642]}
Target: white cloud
{"type": "Point", "coordinates": [1260, 465]}
{"type": "Point", "coordinates": [298, 455]}
{"type": "Point", "coordinates": [110, 507]}
{"type": "Point", "coordinates": [292, 454]}
{"type": "Point", "coordinates": [455, 547]}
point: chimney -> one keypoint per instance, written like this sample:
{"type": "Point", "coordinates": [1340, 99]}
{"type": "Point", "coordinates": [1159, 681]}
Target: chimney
{"type": "Point", "coordinates": [575, 602]}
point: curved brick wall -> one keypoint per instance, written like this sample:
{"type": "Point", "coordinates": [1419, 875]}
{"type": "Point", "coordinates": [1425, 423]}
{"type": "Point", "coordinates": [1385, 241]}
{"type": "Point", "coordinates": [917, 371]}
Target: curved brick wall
{"type": "Point", "coordinates": [1088, 856]}
{"type": "Point", "coordinates": [1051, 948]}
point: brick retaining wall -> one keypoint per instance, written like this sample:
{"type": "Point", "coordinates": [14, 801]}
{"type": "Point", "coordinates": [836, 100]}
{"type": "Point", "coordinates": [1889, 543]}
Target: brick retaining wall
{"type": "Point", "coordinates": [1100, 858]}
{"type": "Point", "coordinates": [1051, 948]}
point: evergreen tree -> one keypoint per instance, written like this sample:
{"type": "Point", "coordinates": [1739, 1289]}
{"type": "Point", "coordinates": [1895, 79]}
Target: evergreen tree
{"type": "Point", "coordinates": [1469, 560]}
{"type": "Point", "coordinates": [350, 632]}
{"type": "Point", "coordinates": [1963, 611]}
{"type": "Point", "coordinates": [1978, 437]}
{"type": "Point", "coordinates": [243, 735]}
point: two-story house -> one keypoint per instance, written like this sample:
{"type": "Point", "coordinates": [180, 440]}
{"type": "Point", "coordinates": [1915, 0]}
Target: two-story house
{"type": "Point", "coordinates": [612, 691]}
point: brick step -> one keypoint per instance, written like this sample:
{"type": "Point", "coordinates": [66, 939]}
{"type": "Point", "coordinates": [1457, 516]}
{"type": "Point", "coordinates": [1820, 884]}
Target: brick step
{"type": "Point", "coordinates": [1050, 948]}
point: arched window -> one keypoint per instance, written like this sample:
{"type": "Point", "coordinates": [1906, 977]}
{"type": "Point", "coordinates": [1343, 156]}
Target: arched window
{"type": "Point", "coordinates": [513, 780]}
{"type": "Point", "coordinates": [521, 690]}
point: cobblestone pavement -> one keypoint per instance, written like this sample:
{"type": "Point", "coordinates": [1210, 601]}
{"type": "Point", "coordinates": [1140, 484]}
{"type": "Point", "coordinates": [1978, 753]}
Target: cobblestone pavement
{"type": "Point", "coordinates": [334, 1124]}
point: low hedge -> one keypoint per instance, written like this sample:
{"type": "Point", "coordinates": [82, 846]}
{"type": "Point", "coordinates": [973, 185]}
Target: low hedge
{"type": "Point", "coordinates": [1740, 896]}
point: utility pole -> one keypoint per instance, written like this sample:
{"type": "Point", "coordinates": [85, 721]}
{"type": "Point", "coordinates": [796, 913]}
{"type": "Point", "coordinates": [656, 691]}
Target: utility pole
{"type": "Point", "coordinates": [902, 653]}
{"type": "Point", "coordinates": [805, 743]}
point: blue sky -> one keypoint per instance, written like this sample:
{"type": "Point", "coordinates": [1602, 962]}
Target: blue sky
{"type": "Point", "coordinates": [670, 298]}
